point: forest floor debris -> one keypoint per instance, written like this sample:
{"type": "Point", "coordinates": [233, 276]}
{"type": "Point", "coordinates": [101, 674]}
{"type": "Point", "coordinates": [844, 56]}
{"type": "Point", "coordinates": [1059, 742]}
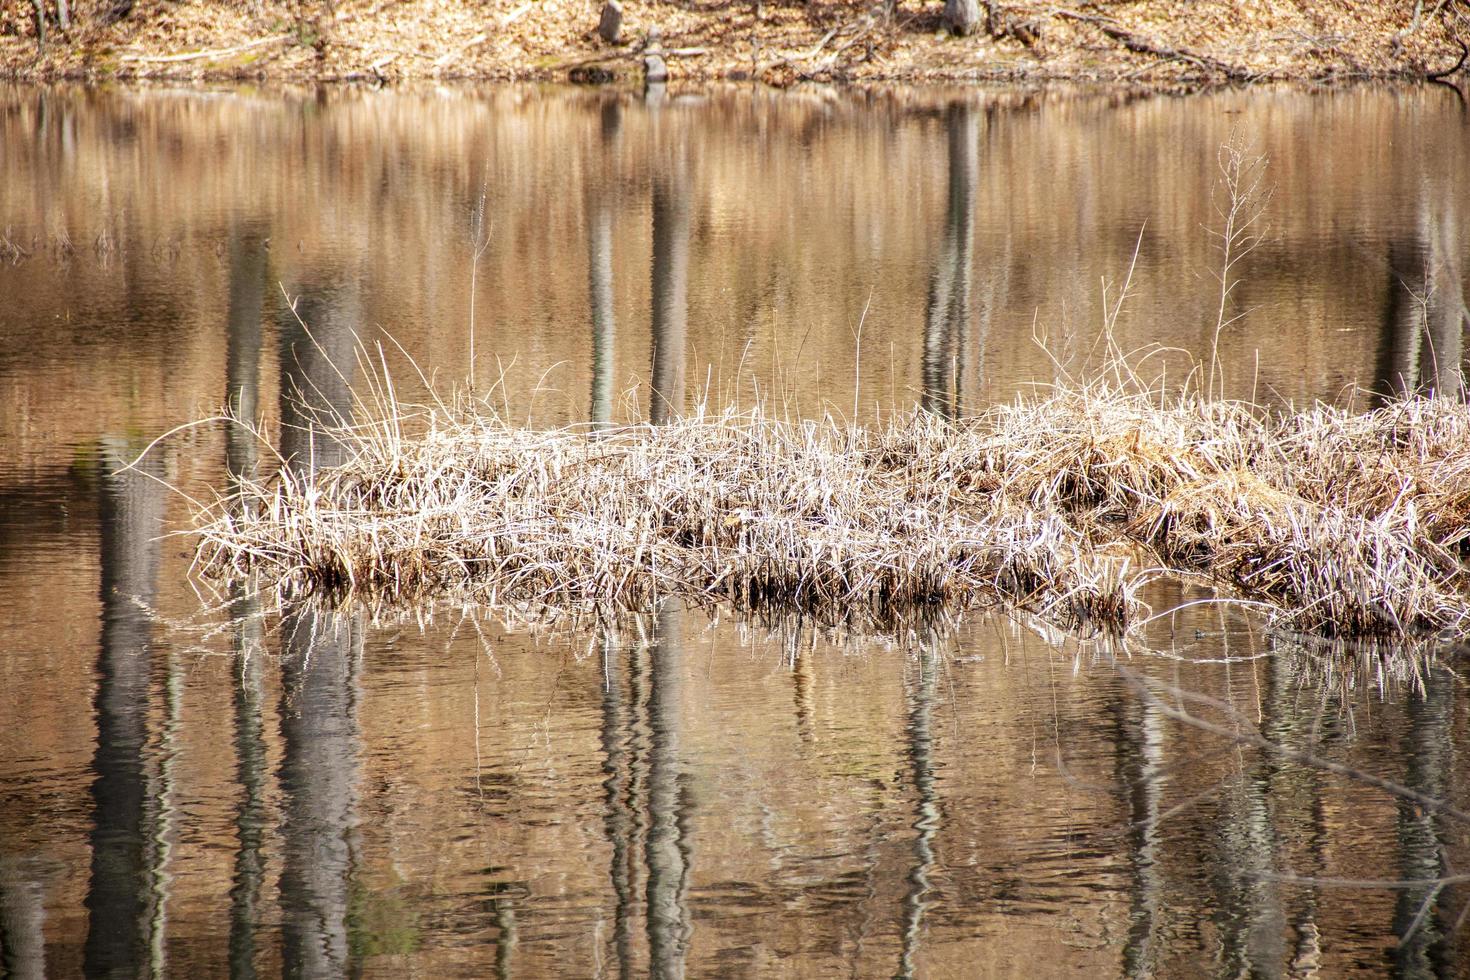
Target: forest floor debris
{"type": "Point", "coordinates": [1147, 41]}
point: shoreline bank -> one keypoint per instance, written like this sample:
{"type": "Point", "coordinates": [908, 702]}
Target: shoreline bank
{"type": "Point", "coordinates": [1153, 42]}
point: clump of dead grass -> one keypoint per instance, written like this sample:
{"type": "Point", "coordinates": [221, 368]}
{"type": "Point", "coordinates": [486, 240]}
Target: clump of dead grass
{"type": "Point", "coordinates": [1062, 504]}
{"type": "Point", "coordinates": [1348, 523]}
{"type": "Point", "coordinates": [734, 508]}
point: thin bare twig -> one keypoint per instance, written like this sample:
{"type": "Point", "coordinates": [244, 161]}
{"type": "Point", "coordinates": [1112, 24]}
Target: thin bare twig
{"type": "Point", "coordinates": [1244, 734]}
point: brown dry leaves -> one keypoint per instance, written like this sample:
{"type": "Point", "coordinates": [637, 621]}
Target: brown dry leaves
{"type": "Point", "coordinates": [779, 43]}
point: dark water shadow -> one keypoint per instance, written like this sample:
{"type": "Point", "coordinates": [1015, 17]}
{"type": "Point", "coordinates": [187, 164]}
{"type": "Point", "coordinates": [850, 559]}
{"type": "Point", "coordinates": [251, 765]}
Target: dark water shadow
{"type": "Point", "coordinates": [128, 887]}
{"type": "Point", "coordinates": [1425, 317]}
{"type": "Point", "coordinates": [321, 663]}
{"type": "Point", "coordinates": [248, 260]}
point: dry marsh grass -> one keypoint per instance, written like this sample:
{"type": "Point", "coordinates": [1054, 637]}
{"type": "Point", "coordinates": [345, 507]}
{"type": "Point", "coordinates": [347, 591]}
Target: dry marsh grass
{"type": "Point", "coordinates": [1064, 504]}
{"type": "Point", "coordinates": [1346, 523]}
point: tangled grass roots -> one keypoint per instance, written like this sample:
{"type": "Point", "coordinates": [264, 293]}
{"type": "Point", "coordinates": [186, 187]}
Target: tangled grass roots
{"type": "Point", "coordinates": [1347, 524]}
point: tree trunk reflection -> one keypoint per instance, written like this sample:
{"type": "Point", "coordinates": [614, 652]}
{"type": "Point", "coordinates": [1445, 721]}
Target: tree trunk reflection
{"type": "Point", "coordinates": [123, 900]}
{"type": "Point", "coordinates": [667, 847]}
{"type": "Point", "coordinates": [604, 323]}
{"type": "Point", "coordinates": [670, 290]}
{"type": "Point", "coordinates": [22, 920]}
{"type": "Point", "coordinates": [320, 655]}
{"type": "Point", "coordinates": [247, 256]}
{"type": "Point", "coordinates": [1138, 743]}
{"type": "Point", "coordinates": [247, 251]}
{"type": "Point", "coordinates": [317, 366]}
{"type": "Point", "coordinates": [250, 769]}
{"type": "Point", "coordinates": [319, 782]}
{"type": "Point", "coordinates": [619, 818]}
{"type": "Point", "coordinates": [922, 699]}
{"type": "Point", "coordinates": [947, 326]}
{"type": "Point", "coordinates": [648, 806]}
{"type": "Point", "coordinates": [1418, 918]}
{"type": "Point", "coordinates": [1425, 314]}
{"type": "Point", "coordinates": [1251, 917]}
{"type": "Point", "coordinates": [599, 208]}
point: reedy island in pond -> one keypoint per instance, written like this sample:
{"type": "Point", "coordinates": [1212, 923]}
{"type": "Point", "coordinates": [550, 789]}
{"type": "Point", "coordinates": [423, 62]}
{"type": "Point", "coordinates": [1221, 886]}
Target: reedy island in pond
{"type": "Point", "coordinates": [1063, 504]}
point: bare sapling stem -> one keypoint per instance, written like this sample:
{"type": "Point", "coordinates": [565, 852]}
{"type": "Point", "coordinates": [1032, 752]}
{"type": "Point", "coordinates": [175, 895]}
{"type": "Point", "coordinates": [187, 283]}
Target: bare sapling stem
{"type": "Point", "coordinates": [1239, 199]}
{"type": "Point", "coordinates": [479, 242]}
{"type": "Point", "coordinates": [857, 363]}
{"type": "Point", "coordinates": [1117, 361]}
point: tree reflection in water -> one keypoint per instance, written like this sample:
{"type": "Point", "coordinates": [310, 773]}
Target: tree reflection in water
{"type": "Point", "coordinates": [22, 918]}
{"type": "Point", "coordinates": [1295, 797]}
{"type": "Point", "coordinates": [1251, 917]}
{"type": "Point", "coordinates": [332, 175]}
{"type": "Point", "coordinates": [320, 657]}
{"type": "Point", "coordinates": [319, 671]}
{"type": "Point", "coordinates": [667, 847]}
{"type": "Point", "coordinates": [1419, 919]}
{"type": "Point", "coordinates": [247, 256]}
{"type": "Point", "coordinates": [126, 897]}
{"type": "Point", "coordinates": [648, 808]}
{"type": "Point", "coordinates": [958, 313]}
{"type": "Point", "coordinates": [318, 360]}
{"type": "Point", "coordinates": [646, 803]}
{"type": "Point", "coordinates": [948, 326]}
{"type": "Point", "coordinates": [670, 289]}
{"type": "Point", "coordinates": [622, 815]}
{"type": "Point", "coordinates": [251, 771]}
{"type": "Point", "coordinates": [600, 205]}
{"type": "Point", "coordinates": [1425, 315]}
{"type": "Point", "coordinates": [922, 698]}
{"type": "Point", "coordinates": [1138, 746]}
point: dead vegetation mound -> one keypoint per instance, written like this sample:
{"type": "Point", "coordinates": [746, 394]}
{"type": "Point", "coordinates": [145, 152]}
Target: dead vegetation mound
{"type": "Point", "coordinates": [1342, 523]}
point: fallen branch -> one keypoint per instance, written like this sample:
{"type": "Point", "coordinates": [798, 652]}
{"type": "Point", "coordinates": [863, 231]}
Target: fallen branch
{"type": "Point", "coordinates": [443, 60]}
{"type": "Point", "coordinates": [808, 55]}
{"type": "Point", "coordinates": [626, 55]}
{"type": "Point", "coordinates": [1141, 44]}
{"type": "Point", "coordinates": [866, 25]}
{"type": "Point", "coordinates": [860, 27]}
{"type": "Point", "coordinates": [373, 72]}
{"type": "Point", "coordinates": [158, 59]}
{"type": "Point", "coordinates": [1436, 76]}
{"type": "Point", "coordinates": [1150, 689]}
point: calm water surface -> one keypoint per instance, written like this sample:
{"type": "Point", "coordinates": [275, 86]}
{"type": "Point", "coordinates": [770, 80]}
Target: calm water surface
{"type": "Point", "coordinates": [198, 785]}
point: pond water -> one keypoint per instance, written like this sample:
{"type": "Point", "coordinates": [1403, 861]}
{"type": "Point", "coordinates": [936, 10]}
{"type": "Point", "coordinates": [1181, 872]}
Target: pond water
{"type": "Point", "coordinates": [197, 785]}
